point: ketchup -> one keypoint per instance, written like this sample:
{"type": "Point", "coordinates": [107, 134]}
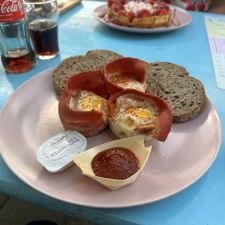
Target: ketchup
{"type": "Point", "coordinates": [115, 163]}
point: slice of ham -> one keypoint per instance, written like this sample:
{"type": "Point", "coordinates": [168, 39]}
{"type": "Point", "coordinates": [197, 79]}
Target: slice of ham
{"type": "Point", "coordinates": [92, 81]}
{"type": "Point", "coordinates": [89, 123]}
{"type": "Point", "coordinates": [126, 66]}
{"type": "Point", "coordinates": [163, 119]}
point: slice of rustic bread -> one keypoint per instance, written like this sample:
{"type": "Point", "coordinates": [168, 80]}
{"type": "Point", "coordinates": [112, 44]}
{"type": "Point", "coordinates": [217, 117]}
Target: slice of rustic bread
{"type": "Point", "coordinates": [93, 60]}
{"type": "Point", "coordinates": [184, 94]}
{"type": "Point", "coordinates": [166, 68]}
{"type": "Point", "coordinates": [103, 56]}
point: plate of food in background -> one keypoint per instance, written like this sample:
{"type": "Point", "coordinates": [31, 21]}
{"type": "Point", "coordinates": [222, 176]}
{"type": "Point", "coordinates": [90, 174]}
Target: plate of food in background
{"type": "Point", "coordinates": [142, 16]}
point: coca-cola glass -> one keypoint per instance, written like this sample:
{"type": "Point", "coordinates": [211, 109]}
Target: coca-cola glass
{"type": "Point", "coordinates": [16, 53]}
{"type": "Point", "coordinates": [43, 27]}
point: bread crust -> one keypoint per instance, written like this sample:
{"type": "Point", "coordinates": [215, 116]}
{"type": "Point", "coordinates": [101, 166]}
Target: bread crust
{"type": "Point", "coordinates": [142, 22]}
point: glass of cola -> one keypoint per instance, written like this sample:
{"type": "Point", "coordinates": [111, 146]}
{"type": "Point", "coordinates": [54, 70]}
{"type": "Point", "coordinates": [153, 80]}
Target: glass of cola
{"type": "Point", "coordinates": [42, 18]}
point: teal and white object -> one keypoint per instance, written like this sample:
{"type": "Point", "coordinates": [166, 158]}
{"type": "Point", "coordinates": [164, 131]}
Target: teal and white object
{"type": "Point", "coordinates": [57, 152]}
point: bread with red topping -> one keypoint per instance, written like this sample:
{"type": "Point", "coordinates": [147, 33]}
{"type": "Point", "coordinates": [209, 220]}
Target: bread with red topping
{"type": "Point", "coordinates": [140, 14]}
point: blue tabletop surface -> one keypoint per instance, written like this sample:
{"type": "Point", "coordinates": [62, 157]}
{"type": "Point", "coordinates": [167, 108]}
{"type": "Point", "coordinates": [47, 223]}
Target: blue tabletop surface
{"type": "Point", "coordinates": [201, 204]}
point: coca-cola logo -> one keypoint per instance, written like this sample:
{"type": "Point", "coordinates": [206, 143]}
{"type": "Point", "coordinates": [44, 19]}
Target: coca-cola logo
{"type": "Point", "coordinates": [11, 10]}
{"type": "Point", "coordinates": [11, 6]}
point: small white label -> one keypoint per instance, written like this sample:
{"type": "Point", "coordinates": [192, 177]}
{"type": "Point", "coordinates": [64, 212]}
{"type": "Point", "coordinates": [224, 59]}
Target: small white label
{"type": "Point", "coordinates": [57, 153]}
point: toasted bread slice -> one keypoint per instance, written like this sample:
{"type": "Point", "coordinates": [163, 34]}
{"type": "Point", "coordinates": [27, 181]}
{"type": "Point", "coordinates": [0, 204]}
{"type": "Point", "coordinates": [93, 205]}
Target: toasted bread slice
{"type": "Point", "coordinates": [161, 69]}
{"type": "Point", "coordinates": [184, 94]}
{"type": "Point", "coordinates": [93, 60]}
{"type": "Point", "coordinates": [103, 56]}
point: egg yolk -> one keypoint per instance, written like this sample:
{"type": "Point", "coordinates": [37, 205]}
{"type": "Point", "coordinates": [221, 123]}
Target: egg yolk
{"type": "Point", "coordinates": [92, 102]}
{"type": "Point", "coordinates": [140, 112]}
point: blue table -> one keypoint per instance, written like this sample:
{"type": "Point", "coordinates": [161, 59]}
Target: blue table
{"type": "Point", "coordinates": [201, 204]}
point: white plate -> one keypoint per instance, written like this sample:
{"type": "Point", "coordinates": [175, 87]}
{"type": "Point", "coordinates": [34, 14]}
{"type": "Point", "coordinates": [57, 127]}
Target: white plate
{"type": "Point", "coordinates": [182, 15]}
{"type": "Point", "coordinates": [31, 116]}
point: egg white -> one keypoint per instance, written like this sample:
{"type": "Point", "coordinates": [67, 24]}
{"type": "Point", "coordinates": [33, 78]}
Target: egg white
{"type": "Point", "coordinates": [126, 82]}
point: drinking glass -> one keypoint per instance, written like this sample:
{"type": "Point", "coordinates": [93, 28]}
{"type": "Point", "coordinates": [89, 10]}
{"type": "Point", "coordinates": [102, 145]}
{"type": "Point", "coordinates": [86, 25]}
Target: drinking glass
{"type": "Point", "coordinates": [43, 27]}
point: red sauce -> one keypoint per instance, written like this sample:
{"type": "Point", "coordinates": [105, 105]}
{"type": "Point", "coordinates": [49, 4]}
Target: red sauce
{"type": "Point", "coordinates": [116, 163]}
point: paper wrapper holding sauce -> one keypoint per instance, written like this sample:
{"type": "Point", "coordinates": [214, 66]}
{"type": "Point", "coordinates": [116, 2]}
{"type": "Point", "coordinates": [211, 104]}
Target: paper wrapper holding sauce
{"type": "Point", "coordinates": [134, 144]}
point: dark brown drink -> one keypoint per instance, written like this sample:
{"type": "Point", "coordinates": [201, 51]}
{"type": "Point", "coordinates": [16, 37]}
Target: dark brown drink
{"type": "Point", "coordinates": [44, 34]}
{"type": "Point", "coordinates": [18, 61]}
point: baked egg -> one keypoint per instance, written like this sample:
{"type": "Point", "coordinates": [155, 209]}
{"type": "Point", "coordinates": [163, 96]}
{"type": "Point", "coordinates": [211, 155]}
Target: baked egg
{"type": "Point", "coordinates": [126, 81]}
{"type": "Point", "coordinates": [133, 117]}
{"type": "Point", "coordinates": [88, 101]}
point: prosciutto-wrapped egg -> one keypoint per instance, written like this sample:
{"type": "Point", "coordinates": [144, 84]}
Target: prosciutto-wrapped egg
{"type": "Point", "coordinates": [135, 113]}
{"type": "Point", "coordinates": [83, 106]}
{"type": "Point", "coordinates": [125, 73]}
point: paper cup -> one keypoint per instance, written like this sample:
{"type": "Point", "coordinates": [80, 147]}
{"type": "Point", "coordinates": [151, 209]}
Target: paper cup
{"type": "Point", "coordinates": [134, 144]}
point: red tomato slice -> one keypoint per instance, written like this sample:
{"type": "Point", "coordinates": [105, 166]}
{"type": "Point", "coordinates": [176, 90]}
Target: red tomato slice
{"type": "Point", "coordinates": [144, 13]}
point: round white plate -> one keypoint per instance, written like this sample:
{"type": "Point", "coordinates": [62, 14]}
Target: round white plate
{"type": "Point", "coordinates": [182, 16]}
{"type": "Point", "coordinates": [31, 116]}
